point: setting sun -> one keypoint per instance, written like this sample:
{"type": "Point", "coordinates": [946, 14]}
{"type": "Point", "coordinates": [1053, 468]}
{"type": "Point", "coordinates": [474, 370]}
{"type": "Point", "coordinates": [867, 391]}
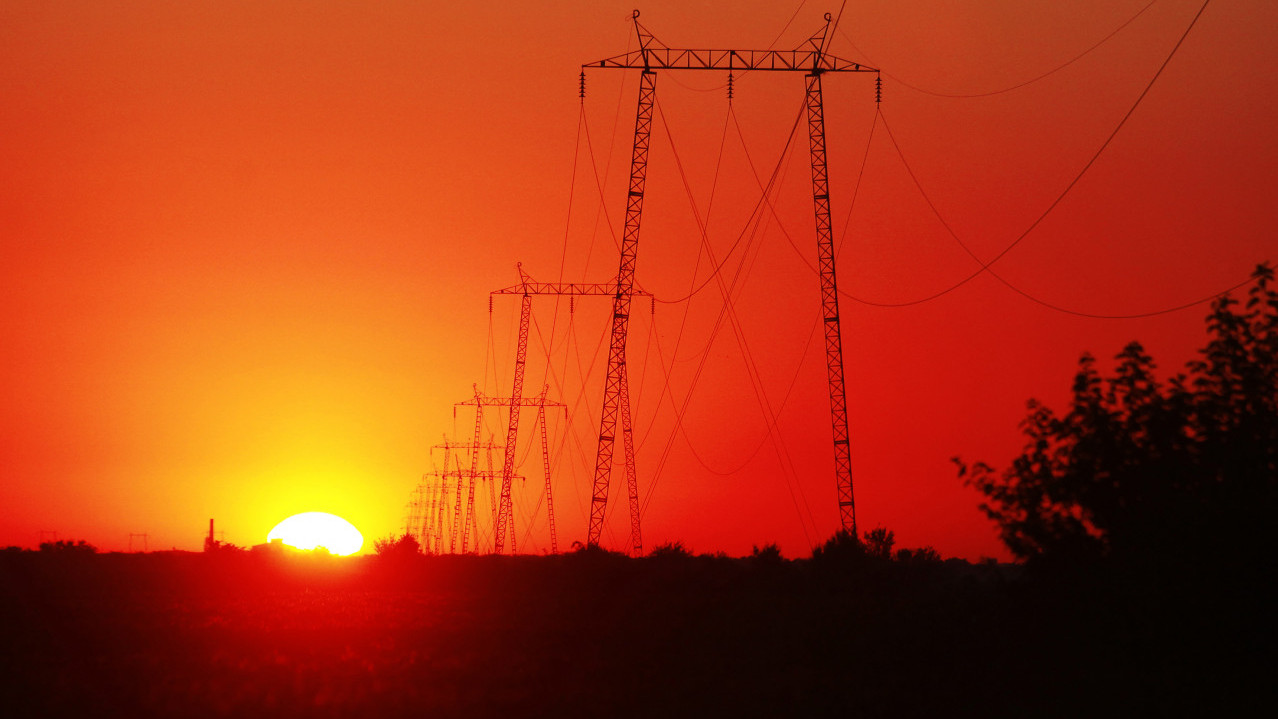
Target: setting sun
{"type": "Point", "coordinates": [310, 530]}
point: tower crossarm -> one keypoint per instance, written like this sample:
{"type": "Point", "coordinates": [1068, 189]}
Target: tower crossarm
{"type": "Point", "coordinates": [528, 286]}
{"type": "Point", "coordinates": [487, 401]}
{"type": "Point", "coordinates": [767, 60]}
{"type": "Point", "coordinates": [654, 55]}
{"type": "Point", "coordinates": [600, 289]}
{"type": "Point", "coordinates": [468, 445]}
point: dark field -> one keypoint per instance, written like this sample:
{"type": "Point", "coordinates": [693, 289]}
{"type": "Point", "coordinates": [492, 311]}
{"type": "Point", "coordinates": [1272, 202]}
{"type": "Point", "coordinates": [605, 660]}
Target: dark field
{"type": "Point", "coordinates": [592, 634]}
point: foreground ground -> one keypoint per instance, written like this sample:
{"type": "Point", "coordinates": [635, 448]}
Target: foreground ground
{"type": "Point", "coordinates": [598, 635]}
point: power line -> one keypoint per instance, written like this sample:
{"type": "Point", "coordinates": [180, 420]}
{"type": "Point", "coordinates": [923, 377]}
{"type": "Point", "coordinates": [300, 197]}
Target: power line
{"type": "Point", "coordinates": [756, 381]}
{"type": "Point", "coordinates": [798, 368]}
{"type": "Point", "coordinates": [986, 266]}
{"type": "Point", "coordinates": [1018, 85]}
{"type": "Point", "coordinates": [856, 189]}
{"type": "Point", "coordinates": [754, 213]}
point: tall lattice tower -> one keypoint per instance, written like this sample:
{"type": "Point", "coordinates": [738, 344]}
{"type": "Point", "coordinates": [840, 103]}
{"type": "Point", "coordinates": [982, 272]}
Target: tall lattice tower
{"type": "Point", "coordinates": [813, 61]}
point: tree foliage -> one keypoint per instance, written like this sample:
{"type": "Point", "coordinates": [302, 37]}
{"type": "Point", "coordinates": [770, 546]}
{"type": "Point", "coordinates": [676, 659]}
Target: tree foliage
{"type": "Point", "coordinates": [405, 545]}
{"type": "Point", "coordinates": [879, 542]}
{"type": "Point", "coordinates": [1143, 468]}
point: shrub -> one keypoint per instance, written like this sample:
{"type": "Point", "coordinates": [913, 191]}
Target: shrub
{"type": "Point", "coordinates": [405, 545]}
{"type": "Point", "coordinates": [670, 549]}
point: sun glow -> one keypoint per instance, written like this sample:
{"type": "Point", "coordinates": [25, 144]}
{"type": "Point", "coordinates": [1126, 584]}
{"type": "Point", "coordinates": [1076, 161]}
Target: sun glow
{"type": "Point", "coordinates": [310, 530]}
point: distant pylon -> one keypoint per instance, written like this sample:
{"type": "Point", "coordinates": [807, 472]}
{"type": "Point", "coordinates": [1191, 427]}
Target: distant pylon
{"type": "Point", "coordinates": [505, 521]}
{"type": "Point", "coordinates": [526, 288]}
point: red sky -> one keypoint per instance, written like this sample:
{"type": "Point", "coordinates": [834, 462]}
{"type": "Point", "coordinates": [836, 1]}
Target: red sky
{"type": "Point", "coordinates": [247, 248]}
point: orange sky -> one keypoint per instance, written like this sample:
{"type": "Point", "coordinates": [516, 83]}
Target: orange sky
{"type": "Point", "coordinates": [247, 248]}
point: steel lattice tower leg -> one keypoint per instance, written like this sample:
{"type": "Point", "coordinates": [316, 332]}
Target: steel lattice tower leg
{"type": "Point", "coordinates": [545, 460]}
{"type": "Point", "coordinates": [830, 303]}
{"type": "Point", "coordinates": [443, 500]}
{"type": "Point", "coordinates": [433, 490]}
{"type": "Point", "coordinates": [469, 518]}
{"type": "Point", "coordinates": [474, 466]}
{"type": "Point", "coordinates": [632, 479]}
{"type": "Point", "coordinates": [512, 431]}
{"type": "Point", "coordinates": [417, 518]}
{"type": "Point", "coordinates": [492, 499]}
{"type": "Point", "coordinates": [443, 504]}
{"type": "Point", "coordinates": [457, 515]}
{"type": "Point", "coordinates": [621, 306]}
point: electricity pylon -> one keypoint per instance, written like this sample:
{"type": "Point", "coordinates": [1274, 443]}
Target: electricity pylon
{"type": "Point", "coordinates": [652, 55]}
{"type": "Point", "coordinates": [526, 288]}
{"type": "Point", "coordinates": [434, 498]}
{"type": "Point", "coordinates": [505, 508]}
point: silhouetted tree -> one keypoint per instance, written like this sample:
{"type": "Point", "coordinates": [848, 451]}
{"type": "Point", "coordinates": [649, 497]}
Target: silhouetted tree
{"type": "Point", "coordinates": [405, 545]}
{"type": "Point", "coordinates": [767, 554]}
{"type": "Point", "coordinates": [879, 543]}
{"type": "Point", "coordinates": [842, 548]}
{"type": "Point", "coordinates": [1186, 468]}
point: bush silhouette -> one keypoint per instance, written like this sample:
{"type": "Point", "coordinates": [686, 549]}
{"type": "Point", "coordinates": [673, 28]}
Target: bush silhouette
{"type": "Point", "coordinates": [68, 547]}
{"type": "Point", "coordinates": [670, 550]}
{"type": "Point", "coordinates": [405, 545]}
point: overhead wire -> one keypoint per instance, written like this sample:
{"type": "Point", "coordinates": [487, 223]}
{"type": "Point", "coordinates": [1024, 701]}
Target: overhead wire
{"type": "Point", "coordinates": [1010, 88]}
{"type": "Point", "coordinates": [1086, 166]}
{"type": "Point", "coordinates": [794, 378]}
{"type": "Point", "coordinates": [984, 265]}
{"type": "Point", "coordinates": [601, 212]}
{"type": "Point", "coordinates": [683, 319]}
{"type": "Point", "coordinates": [563, 254]}
{"type": "Point", "coordinates": [599, 184]}
{"type": "Point", "coordinates": [602, 208]}
{"type": "Point", "coordinates": [753, 213]}
{"type": "Point", "coordinates": [696, 266]}
{"type": "Point", "coordinates": [547, 370]}
{"type": "Point", "coordinates": [665, 390]}
{"type": "Point", "coordinates": [574, 406]}
{"type": "Point", "coordinates": [752, 372]}
{"type": "Point", "coordinates": [637, 397]}
{"type": "Point", "coordinates": [856, 188]}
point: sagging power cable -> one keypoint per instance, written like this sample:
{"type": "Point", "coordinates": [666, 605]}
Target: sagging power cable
{"type": "Point", "coordinates": [1016, 86]}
